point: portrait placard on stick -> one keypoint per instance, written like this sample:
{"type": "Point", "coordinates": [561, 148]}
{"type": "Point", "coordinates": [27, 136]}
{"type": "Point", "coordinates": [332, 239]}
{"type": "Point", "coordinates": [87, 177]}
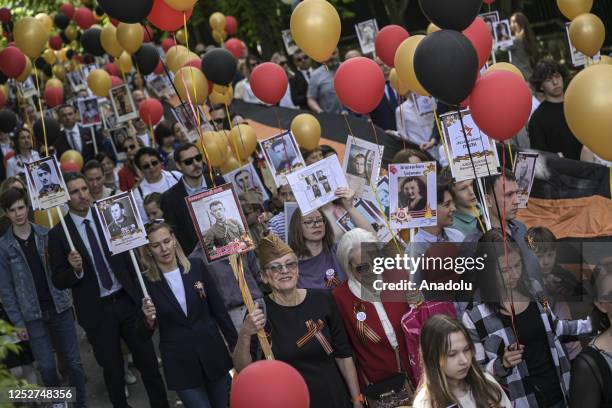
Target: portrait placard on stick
{"type": "Point", "coordinates": [282, 156]}
{"type": "Point", "coordinates": [123, 104]}
{"type": "Point", "coordinates": [374, 217]}
{"type": "Point", "coordinates": [524, 170]}
{"type": "Point", "coordinates": [578, 58]}
{"type": "Point", "coordinates": [245, 179]}
{"type": "Point", "coordinates": [412, 190]}
{"type": "Point", "coordinates": [361, 164]}
{"type": "Point", "coordinates": [366, 33]}
{"type": "Point", "coordinates": [89, 111]}
{"type": "Point", "coordinates": [46, 184]}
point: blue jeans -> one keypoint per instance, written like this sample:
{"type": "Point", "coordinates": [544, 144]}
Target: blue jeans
{"type": "Point", "coordinates": [61, 327]}
{"type": "Point", "coordinates": [213, 394]}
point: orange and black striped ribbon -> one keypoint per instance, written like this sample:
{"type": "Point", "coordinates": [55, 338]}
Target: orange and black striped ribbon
{"type": "Point", "coordinates": [314, 330]}
{"type": "Point", "coordinates": [331, 283]}
{"type": "Point", "coordinates": [364, 332]}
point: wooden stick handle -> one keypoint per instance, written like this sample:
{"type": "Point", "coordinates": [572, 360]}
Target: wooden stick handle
{"type": "Point", "coordinates": [65, 227]}
{"type": "Point", "coordinates": [139, 275]}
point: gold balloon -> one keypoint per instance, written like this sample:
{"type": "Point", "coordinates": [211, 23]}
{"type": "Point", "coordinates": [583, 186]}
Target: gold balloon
{"type": "Point", "coordinates": [243, 141]}
{"type": "Point", "coordinates": [587, 107]}
{"type": "Point", "coordinates": [217, 21]}
{"type": "Point", "coordinates": [71, 33]}
{"type": "Point", "coordinates": [99, 81]}
{"type": "Point", "coordinates": [49, 56]}
{"type": "Point", "coordinates": [41, 217]}
{"type": "Point", "coordinates": [54, 83]}
{"type": "Point", "coordinates": [72, 157]}
{"type": "Point", "coordinates": [108, 39]}
{"type": "Point", "coordinates": [172, 54]}
{"type": "Point", "coordinates": [181, 38]}
{"type": "Point", "coordinates": [30, 36]}
{"type": "Point", "coordinates": [404, 64]}
{"type": "Point", "coordinates": [432, 28]}
{"type": "Point", "coordinates": [396, 83]}
{"type": "Point", "coordinates": [46, 21]}
{"type": "Point", "coordinates": [231, 164]}
{"type": "Point", "coordinates": [307, 131]}
{"type": "Point", "coordinates": [181, 5]}
{"type": "Point", "coordinates": [124, 63]}
{"type": "Point", "coordinates": [219, 36]}
{"type": "Point", "coordinates": [130, 36]}
{"type": "Point", "coordinates": [215, 150]}
{"type": "Point", "coordinates": [573, 8]}
{"type": "Point", "coordinates": [183, 59]}
{"type": "Point", "coordinates": [505, 66]}
{"type": "Point", "coordinates": [587, 33]}
{"type": "Point", "coordinates": [191, 85]}
{"type": "Point", "coordinates": [315, 28]}
{"type": "Point", "coordinates": [27, 71]}
{"type": "Point", "coordinates": [221, 95]}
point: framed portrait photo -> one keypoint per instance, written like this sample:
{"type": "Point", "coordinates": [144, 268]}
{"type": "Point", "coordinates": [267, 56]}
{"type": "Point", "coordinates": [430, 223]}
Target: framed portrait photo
{"type": "Point", "coordinates": [123, 104]}
{"type": "Point", "coordinates": [361, 164]}
{"type": "Point", "coordinates": [245, 179]}
{"type": "Point", "coordinates": [490, 18]}
{"type": "Point", "coordinates": [366, 33]}
{"type": "Point", "coordinates": [46, 184]}
{"type": "Point", "coordinates": [524, 170]}
{"type": "Point", "coordinates": [122, 225]}
{"type": "Point", "coordinates": [290, 45]}
{"type": "Point", "coordinates": [282, 155]}
{"type": "Point", "coordinates": [118, 135]}
{"type": "Point", "coordinates": [89, 110]}
{"type": "Point", "coordinates": [412, 189]}
{"type": "Point", "coordinates": [503, 35]}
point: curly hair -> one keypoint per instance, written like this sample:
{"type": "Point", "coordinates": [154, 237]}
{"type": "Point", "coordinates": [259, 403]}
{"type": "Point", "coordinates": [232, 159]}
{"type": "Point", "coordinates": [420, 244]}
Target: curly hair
{"type": "Point", "coordinates": [544, 70]}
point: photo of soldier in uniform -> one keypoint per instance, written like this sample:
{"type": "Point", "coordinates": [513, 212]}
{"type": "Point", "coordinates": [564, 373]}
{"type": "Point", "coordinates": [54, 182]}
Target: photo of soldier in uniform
{"type": "Point", "coordinates": [282, 156]}
{"type": "Point", "coordinates": [45, 183]}
{"type": "Point", "coordinates": [121, 221]}
{"type": "Point", "coordinates": [245, 179]}
{"type": "Point", "coordinates": [123, 104]}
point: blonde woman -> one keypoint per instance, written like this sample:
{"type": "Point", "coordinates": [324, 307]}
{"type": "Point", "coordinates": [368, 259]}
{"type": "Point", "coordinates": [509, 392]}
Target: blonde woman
{"type": "Point", "coordinates": [186, 306]}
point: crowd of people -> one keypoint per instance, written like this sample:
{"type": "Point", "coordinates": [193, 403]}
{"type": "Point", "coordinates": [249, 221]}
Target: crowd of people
{"type": "Point", "coordinates": [512, 341]}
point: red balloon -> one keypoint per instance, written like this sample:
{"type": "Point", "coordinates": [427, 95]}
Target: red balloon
{"type": "Point", "coordinates": [272, 383]}
{"type": "Point", "coordinates": [231, 25]}
{"type": "Point", "coordinates": [168, 43]}
{"type": "Point", "coordinates": [55, 42]}
{"type": "Point", "coordinates": [84, 18]}
{"type": "Point", "coordinates": [2, 99]}
{"type": "Point", "coordinates": [112, 69]}
{"type": "Point", "coordinates": [159, 69]}
{"type": "Point", "coordinates": [12, 62]}
{"type": "Point", "coordinates": [114, 21]}
{"type": "Point", "coordinates": [480, 36]}
{"type": "Point", "coordinates": [235, 46]}
{"type": "Point", "coordinates": [67, 9]}
{"type": "Point", "coordinates": [269, 82]}
{"type": "Point", "coordinates": [500, 104]}
{"type": "Point", "coordinates": [150, 111]}
{"type": "Point", "coordinates": [147, 34]}
{"type": "Point", "coordinates": [488, 1]}
{"type": "Point", "coordinates": [54, 96]}
{"type": "Point", "coordinates": [116, 81]}
{"type": "Point", "coordinates": [70, 167]}
{"type": "Point", "coordinates": [165, 17]}
{"type": "Point", "coordinates": [387, 41]}
{"type": "Point", "coordinates": [196, 63]}
{"type": "Point", "coordinates": [360, 84]}
{"type": "Point", "coordinates": [5, 15]}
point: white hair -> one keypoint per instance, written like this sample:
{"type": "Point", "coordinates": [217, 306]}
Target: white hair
{"type": "Point", "coordinates": [350, 241]}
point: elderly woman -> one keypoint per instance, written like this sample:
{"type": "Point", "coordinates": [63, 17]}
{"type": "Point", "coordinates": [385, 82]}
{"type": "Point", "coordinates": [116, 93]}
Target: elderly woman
{"type": "Point", "coordinates": [373, 328]}
{"type": "Point", "coordinates": [186, 306]}
{"type": "Point", "coordinates": [305, 331]}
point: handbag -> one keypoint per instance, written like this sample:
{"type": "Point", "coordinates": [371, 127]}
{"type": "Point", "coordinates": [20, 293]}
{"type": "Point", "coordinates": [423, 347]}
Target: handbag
{"type": "Point", "coordinates": [391, 392]}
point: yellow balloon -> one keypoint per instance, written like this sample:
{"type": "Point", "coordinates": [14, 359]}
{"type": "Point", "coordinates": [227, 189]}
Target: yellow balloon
{"type": "Point", "coordinates": [587, 107]}
{"type": "Point", "coordinates": [307, 131]}
{"type": "Point", "coordinates": [108, 39]}
{"type": "Point", "coordinates": [30, 36]}
{"type": "Point", "coordinates": [315, 28]}
{"type": "Point", "coordinates": [124, 63]}
{"type": "Point", "coordinates": [99, 81]}
{"type": "Point", "coordinates": [71, 33]}
{"type": "Point", "coordinates": [219, 36]}
{"type": "Point", "coordinates": [221, 95]}
{"type": "Point", "coordinates": [217, 21]}
{"type": "Point", "coordinates": [26, 71]}
{"type": "Point", "coordinates": [42, 218]}
{"type": "Point", "coordinates": [573, 8]}
{"type": "Point", "coordinates": [215, 150]}
{"type": "Point", "coordinates": [432, 28]}
{"type": "Point", "coordinates": [605, 60]}
{"type": "Point", "coordinates": [54, 83]}
{"type": "Point", "coordinates": [587, 33]}
{"type": "Point", "coordinates": [59, 71]}
{"type": "Point", "coordinates": [183, 59]}
{"type": "Point", "coordinates": [181, 38]}
{"type": "Point", "coordinates": [243, 141]}
{"type": "Point", "coordinates": [72, 157]}
{"type": "Point", "coordinates": [505, 66]}
{"type": "Point", "coordinates": [46, 21]}
{"type": "Point", "coordinates": [181, 5]}
{"type": "Point", "coordinates": [192, 85]}
{"type": "Point", "coordinates": [172, 54]}
{"type": "Point", "coordinates": [49, 56]}
{"type": "Point", "coordinates": [130, 36]}
{"type": "Point", "coordinates": [404, 64]}
{"type": "Point", "coordinates": [396, 83]}
{"type": "Point", "coordinates": [230, 164]}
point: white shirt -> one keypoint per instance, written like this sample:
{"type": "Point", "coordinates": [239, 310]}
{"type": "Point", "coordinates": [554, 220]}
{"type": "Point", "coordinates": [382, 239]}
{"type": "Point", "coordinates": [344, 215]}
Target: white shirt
{"type": "Point", "coordinates": [145, 138]}
{"type": "Point", "coordinates": [16, 164]}
{"type": "Point", "coordinates": [6, 148]}
{"type": "Point", "coordinates": [411, 125]}
{"type": "Point", "coordinates": [306, 73]}
{"type": "Point", "coordinates": [168, 179]}
{"type": "Point", "coordinates": [175, 281]}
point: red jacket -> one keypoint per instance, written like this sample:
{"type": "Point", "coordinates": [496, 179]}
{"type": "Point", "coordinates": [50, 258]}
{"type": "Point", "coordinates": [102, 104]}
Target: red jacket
{"type": "Point", "coordinates": [377, 360]}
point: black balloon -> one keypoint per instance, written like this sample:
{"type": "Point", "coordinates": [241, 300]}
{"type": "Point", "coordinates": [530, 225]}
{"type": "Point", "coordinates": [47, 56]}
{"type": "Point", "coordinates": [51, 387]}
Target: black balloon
{"type": "Point", "coordinates": [8, 120]}
{"type": "Point", "coordinates": [446, 64]}
{"type": "Point", "coordinates": [147, 59]}
{"type": "Point", "coordinates": [39, 63]}
{"type": "Point", "coordinates": [61, 21]}
{"type": "Point", "coordinates": [70, 54]}
{"type": "Point", "coordinates": [99, 12]}
{"type": "Point", "coordinates": [52, 129]}
{"type": "Point", "coordinates": [65, 39]}
{"type": "Point", "coordinates": [451, 14]}
{"type": "Point", "coordinates": [91, 41]}
{"type": "Point", "coordinates": [47, 69]}
{"type": "Point", "coordinates": [127, 11]}
{"type": "Point", "coordinates": [219, 66]}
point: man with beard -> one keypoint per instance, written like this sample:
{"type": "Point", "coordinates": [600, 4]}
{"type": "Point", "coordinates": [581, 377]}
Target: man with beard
{"type": "Point", "coordinates": [321, 92]}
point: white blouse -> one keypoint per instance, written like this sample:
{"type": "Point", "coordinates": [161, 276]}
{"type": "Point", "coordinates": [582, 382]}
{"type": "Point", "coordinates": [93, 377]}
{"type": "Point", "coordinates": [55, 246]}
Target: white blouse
{"type": "Point", "coordinates": [175, 281]}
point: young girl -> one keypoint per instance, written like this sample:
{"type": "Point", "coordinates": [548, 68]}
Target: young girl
{"type": "Point", "coordinates": [452, 377]}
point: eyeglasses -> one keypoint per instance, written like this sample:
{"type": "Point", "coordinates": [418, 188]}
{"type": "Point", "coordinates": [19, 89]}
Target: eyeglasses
{"type": "Point", "coordinates": [363, 268]}
{"type": "Point", "coordinates": [313, 223]}
{"type": "Point", "coordinates": [289, 267]}
{"type": "Point", "coordinates": [189, 161]}
{"type": "Point", "coordinates": [153, 163]}
{"type": "Point", "coordinates": [130, 147]}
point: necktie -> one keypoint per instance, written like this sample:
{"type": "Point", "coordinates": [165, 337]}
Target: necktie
{"type": "Point", "coordinates": [74, 141]}
{"type": "Point", "coordinates": [98, 257]}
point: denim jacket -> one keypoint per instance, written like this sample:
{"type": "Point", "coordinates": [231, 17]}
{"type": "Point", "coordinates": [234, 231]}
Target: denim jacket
{"type": "Point", "coordinates": [17, 290]}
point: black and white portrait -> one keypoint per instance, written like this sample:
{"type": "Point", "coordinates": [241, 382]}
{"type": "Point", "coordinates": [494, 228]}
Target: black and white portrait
{"type": "Point", "coordinates": [76, 80]}
{"type": "Point", "coordinates": [524, 170]}
{"type": "Point", "coordinates": [89, 111]}
{"type": "Point", "coordinates": [282, 155]}
{"type": "Point", "coordinates": [503, 35]}
{"type": "Point", "coordinates": [290, 45]}
{"type": "Point", "coordinates": [490, 19]}
{"type": "Point", "coordinates": [123, 104]}
{"type": "Point", "coordinates": [45, 183]}
{"type": "Point", "coordinates": [245, 179]}
{"type": "Point", "coordinates": [361, 164]}
{"type": "Point", "coordinates": [122, 224]}
{"type": "Point", "coordinates": [366, 33]}
{"type": "Point", "coordinates": [27, 87]}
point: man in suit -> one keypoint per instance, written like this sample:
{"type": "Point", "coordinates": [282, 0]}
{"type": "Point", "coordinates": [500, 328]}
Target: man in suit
{"type": "Point", "coordinates": [384, 114]}
{"type": "Point", "coordinates": [106, 296]}
{"type": "Point", "coordinates": [223, 231]}
{"type": "Point", "coordinates": [76, 137]}
{"type": "Point", "coordinates": [299, 82]}
{"type": "Point", "coordinates": [195, 180]}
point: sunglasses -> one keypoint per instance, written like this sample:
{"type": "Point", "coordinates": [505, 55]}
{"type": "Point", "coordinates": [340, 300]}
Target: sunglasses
{"type": "Point", "coordinates": [189, 161]}
{"type": "Point", "coordinates": [153, 163]}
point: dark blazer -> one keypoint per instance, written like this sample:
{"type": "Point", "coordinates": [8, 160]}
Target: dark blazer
{"type": "Point", "coordinates": [176, 212]}
{"type": "Point", "coordinates": [191, 346]}
{"type": "Point", "coordinates": [384, 114]}
{"type": "Point", "coordinates": [299, 90]}
{"type": "Point", "coordinates": [88, 151]}
{"type": "Point", "coordinates": [86, 291]}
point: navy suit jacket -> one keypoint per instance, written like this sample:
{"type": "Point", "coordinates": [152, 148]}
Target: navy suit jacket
{"type": "Point", "coordinates": [384, 114]}
{"type": "Point", "coordinates": [191, 346]}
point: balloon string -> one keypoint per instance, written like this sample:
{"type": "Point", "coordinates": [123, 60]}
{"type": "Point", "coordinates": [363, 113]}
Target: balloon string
{"type": "Point", "coordinates": [42, 116]}
{"type": "Point", "coordinates": [195, 91]}
{"type": "Point", "coordinates": [511, 156]}
{"type": "Point", "coordinates": [439, 127]}
{"type": "Point", "coordinates": [477, 215]}
{"type": "Point", "coordinates": [402, 121]}
{"type": "Point", "coordinates": [232, 141]}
